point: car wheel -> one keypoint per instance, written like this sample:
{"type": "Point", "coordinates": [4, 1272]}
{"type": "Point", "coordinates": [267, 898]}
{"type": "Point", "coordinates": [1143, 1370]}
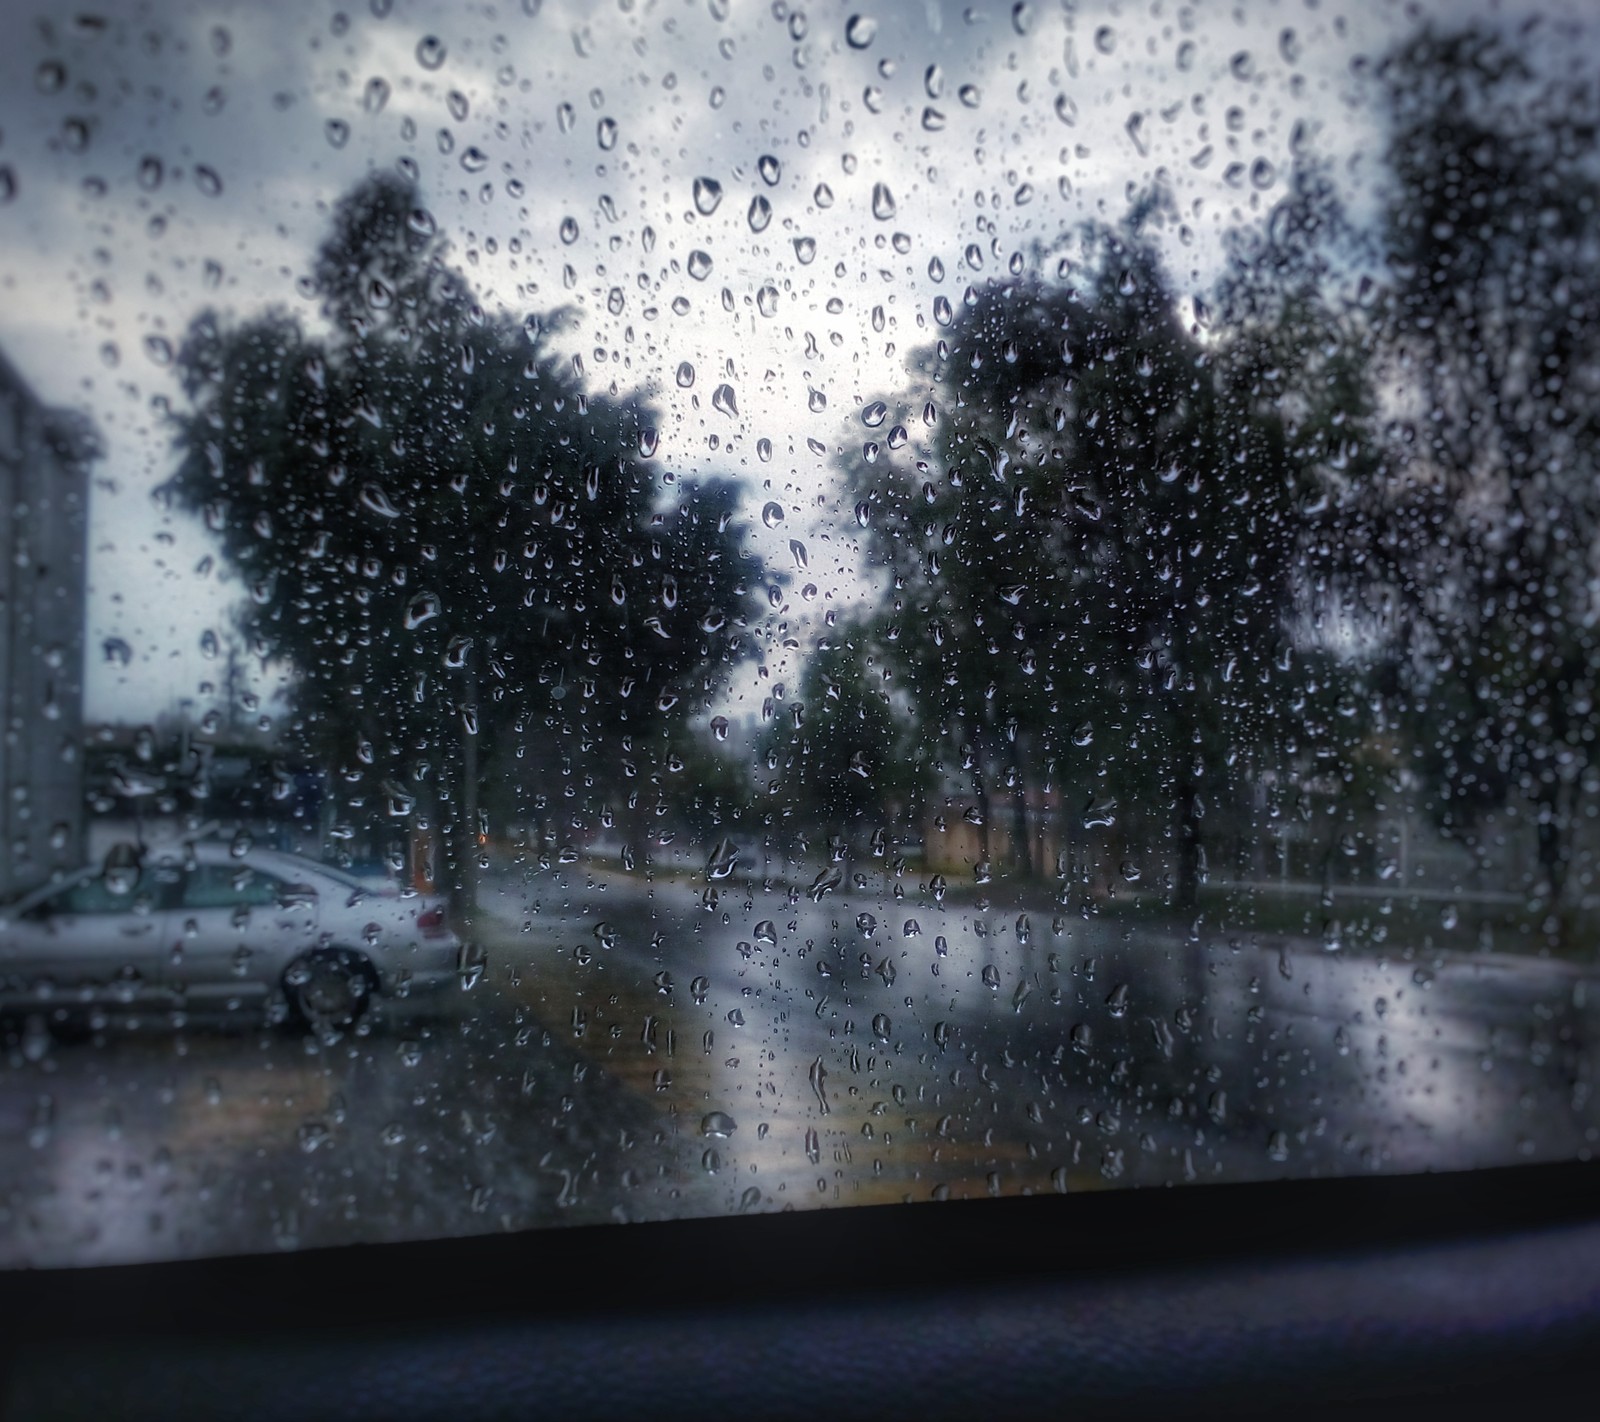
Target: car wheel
{"type": "Point", "coordinates": [328, 990]}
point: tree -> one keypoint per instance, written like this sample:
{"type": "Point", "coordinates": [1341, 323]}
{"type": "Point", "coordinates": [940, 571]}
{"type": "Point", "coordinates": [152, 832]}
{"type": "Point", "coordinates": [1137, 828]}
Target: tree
{"type": "Point", "coordinates": [1099, 569]}
{"type": "Point", "coordinates": [844, 754]}
{"type": "Point", "coordinates": [1493, 324]}
{"type": "Point", "coordinates": [456, 548]}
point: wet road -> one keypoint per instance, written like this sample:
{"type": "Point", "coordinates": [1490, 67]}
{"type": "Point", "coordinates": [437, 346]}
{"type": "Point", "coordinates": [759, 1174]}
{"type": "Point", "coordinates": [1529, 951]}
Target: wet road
{"type": "Point", "coordinates": [638, 1049]}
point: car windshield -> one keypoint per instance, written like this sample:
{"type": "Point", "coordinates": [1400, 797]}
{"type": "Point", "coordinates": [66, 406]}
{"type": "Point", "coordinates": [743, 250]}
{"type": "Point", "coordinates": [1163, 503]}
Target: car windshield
{"type": "Point", "coordinates": [925, 600]}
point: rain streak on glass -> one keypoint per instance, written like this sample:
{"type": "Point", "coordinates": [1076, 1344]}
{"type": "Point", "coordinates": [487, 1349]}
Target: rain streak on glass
{"type": "Point", "coordinates": [637, 614]}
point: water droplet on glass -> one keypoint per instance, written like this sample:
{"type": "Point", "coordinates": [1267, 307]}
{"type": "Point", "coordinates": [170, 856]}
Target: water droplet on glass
{"type": "Point", "coordinates": [724, 856]}
{"type": "Point", "coordinates": [760, 213]}
{"type": "Point", "coordinates": [376, 499]}
{"type": "Point", "coordinates": [805, 250]}
{"type": "Point", "coordinates": [424, 607]}
{"type": "Point", "coordinates": [881, 1026]}
{"type": "Point", "coordinates": [569, 230]}
{"type": "Point", "coordinates": [605, 134]}
{"type": "Point", "coordinates": [970, 95]}
{"type": "Point", "coordinates": [825, 882]}
{"type": "Point", "coordinates": [882, 202]}
{"type": "Point", "coordinates": [685, 375]}
{"type": "Point", "coordinates": [707, 195]}
{"type": "Point", "coordinates": [699, 264]}
{"type": "Point", "coordinates": [431, 51]}
{"type": "Point", "coordinates": [724, 400]}
{"type": "Point", "coordinates": [860, 31]}
{"type": "Point", "coordinates": [718, 1125]}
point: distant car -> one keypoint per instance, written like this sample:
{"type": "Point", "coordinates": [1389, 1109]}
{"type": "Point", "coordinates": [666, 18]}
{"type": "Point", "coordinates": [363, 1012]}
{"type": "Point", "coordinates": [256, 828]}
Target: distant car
{"type": "Point", "coordinates": [202, 930]}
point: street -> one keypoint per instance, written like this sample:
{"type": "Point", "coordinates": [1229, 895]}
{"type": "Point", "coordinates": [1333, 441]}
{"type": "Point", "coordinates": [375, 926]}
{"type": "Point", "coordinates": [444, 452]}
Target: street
{"type": "Point", "coordinates": [649, 1046]}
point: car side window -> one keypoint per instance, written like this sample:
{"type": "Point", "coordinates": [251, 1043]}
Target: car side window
{"type": "Point", "coordinates": [93, 895]}
{"type": "Point", "coordinates": [212, 886]}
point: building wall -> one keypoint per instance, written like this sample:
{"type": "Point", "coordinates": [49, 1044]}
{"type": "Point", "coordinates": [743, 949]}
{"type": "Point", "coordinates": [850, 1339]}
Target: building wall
{"type": "Point", "coordinates": [44, 459]}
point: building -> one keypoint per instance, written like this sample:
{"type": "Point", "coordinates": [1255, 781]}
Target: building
{"type": "Point", "coordinates": [44, 493]}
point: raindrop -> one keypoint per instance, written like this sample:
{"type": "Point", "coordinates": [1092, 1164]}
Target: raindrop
{"type": "Point", "coordinates": [970, 95]}
{"type": "Point", "coordinates": [718, 1125]}
{"type": "Point", "coordinates": [606, 134]}
{"type": "Point", "coordinates": [240, 844]}
{"type": "Point", "coordinates": [766, 931]}
{"type": "Point", "coordinates": [933, 81]}
{"type": "Point", "coordinates": [825, 882]}
{"type": "Point", "coordinates": [424, 607]}
{"type": "Point", "coordinates": [685, 375]}
{"type": "Point", "coordinates": [881, 1026]}
{"type": "Point", "coordinates": [724, 400]}
{"type": "Point", "coordinates": [707, 195]}
{"type": "Point", "coordinates": [875, 414]}
{"type": "Point", "coordinates": [474, 159]}
{"type": "Point", "coordinates": [119, 872]}
{"type": "Point", "coordinates": [376, 94]}
{"type": "Point", "coordinates": [867, 924]}
{"type": "Point", "coordinates": [337, 132]}
{"type": "Point", "coordinates": [882, 202]}
{"type": "Point", "coordinates": [932, 120]}
{"type": "Point", "coordinates": [816, 401]}
{"type": "Point", "coordinates": [797, 551]}
{"type": "Point", "coordinates": [724, 856]}
{"type": "Point", "coordinates": [699, 987]}
{"type": "Point", "coordinates": [649, 441]}
{"type": "Point", "coordinates": [760, 213]}
{"type": "Point", "coordinates": [767, 301]}
{"type": "Point", "coordinates": [818, 1076]}
{"type": "Point", "coordinates": [569, 230]}
{"type": "Point", "coordinates": [772, 514]}
{"type": "Point", "coordinates": [375, 499]}
{"type": "Point", "coordinates": [430, 51]}
{"type": "Point", "coordinates": [860, 31]}
{"type": "Point", "coordinates": [805, 250]}
{"type": "Point", "coordinates": [699, 264]}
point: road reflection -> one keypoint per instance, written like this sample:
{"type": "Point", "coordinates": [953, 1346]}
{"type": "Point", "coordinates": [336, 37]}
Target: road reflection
{"type": "Point", "coordinates": [642, 1048]}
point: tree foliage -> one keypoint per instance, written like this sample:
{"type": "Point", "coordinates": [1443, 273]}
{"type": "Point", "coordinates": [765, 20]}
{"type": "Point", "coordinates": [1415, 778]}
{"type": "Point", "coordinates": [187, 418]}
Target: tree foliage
{"type": "Point", "coordinates": [458, 550]}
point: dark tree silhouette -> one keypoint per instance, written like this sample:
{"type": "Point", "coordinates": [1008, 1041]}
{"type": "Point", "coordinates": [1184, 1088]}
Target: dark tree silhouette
{"type": "Point", "coordinates": [1098, 568]}
{"type": "Point", "coordinates": [1492, 322]}
{"type": "Point", "coordinates": [459, 551]}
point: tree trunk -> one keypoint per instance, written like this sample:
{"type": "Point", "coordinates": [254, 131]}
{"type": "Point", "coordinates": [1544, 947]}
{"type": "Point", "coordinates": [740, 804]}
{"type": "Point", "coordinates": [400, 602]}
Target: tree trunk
{"type": "Point", "coordinates": [980, 790]}
{"type": "Point", "coordinates": [1022, 847]}
{"type": "Point", "coordinates": [1190, 854]}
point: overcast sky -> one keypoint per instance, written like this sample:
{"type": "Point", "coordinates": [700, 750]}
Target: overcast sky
{"type": "Point", "coordinates": [174, 155]}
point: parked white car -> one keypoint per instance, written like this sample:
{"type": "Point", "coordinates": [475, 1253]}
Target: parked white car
{"type": "Point", "coordinates": [201, 929]}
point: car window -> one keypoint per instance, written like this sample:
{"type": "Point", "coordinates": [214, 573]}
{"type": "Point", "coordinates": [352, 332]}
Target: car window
{"type": "Point", "coordinates": [97, 896]}
{"type": "Point", "coordinates": [210, 886]}
{"type": "Point", "coordinates": [868, 603]}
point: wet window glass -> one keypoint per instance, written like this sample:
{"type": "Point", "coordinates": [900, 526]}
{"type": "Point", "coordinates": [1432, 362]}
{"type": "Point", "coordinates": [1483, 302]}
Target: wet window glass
{"type": "Point", "coordinates": [684, 607]}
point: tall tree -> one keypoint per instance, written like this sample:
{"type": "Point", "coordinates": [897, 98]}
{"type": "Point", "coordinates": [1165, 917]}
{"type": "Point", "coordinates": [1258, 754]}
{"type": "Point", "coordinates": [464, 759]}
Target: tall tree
{"type": "Point", "coordinates": [1493, 322]}
{"type": "Point", "coordinates": [1098, 569]}
{"type": "Point", "coordinates": [457, 549]}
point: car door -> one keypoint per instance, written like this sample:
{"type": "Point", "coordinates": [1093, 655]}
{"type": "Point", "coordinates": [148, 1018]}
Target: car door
{"type": "Point", "coordinates": [94, 933]}
{"type": "Point", "coordinates": [236, 926]}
